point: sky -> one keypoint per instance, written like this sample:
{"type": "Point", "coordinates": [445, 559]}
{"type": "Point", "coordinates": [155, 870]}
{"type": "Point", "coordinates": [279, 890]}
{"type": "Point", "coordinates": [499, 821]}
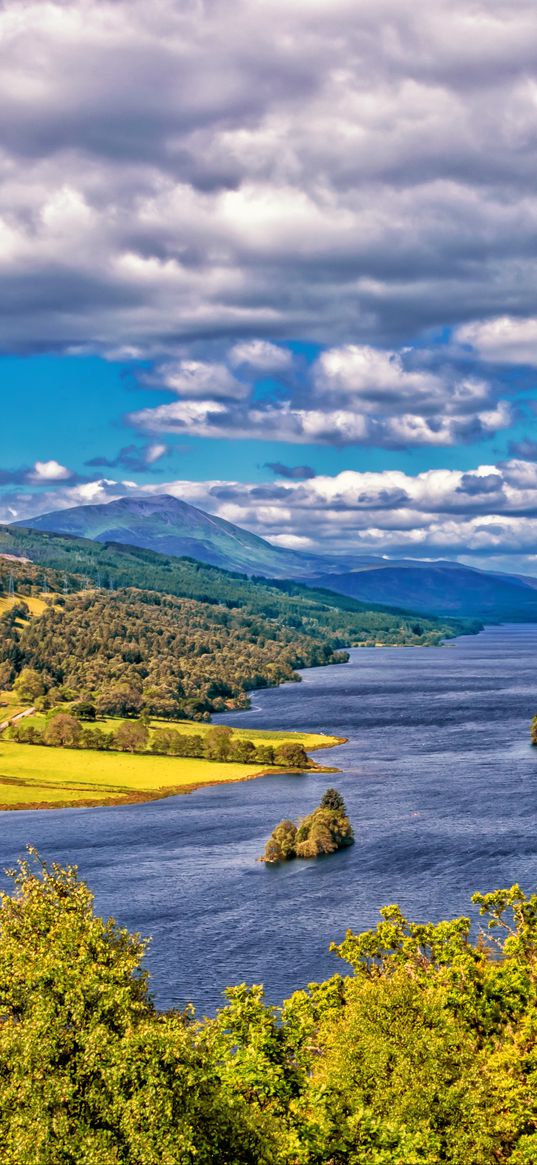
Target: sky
{"type": "Point", "coordinates": [279, 260]}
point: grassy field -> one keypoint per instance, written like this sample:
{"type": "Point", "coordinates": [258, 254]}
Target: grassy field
{"type": "Point", "coordinates": [10, 705]}
{"type": "Point", "coordinates": [33, 776]}
{"type": "Point", "coordinates": [35, 605]}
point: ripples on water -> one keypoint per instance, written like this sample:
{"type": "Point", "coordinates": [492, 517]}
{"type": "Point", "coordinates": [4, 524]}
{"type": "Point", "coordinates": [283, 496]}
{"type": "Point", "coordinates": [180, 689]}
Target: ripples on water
{"type": "Point", "coordinates": [440, 783]}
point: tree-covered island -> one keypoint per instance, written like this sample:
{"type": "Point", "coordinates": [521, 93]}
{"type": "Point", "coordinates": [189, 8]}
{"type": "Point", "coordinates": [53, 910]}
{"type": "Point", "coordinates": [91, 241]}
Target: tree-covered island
{"type": "Point", "coordinates": [324, 831]}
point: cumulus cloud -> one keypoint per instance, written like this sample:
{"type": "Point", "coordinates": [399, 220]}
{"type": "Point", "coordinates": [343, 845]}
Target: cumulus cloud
{"type": "Point", "coordinates": [197, 378]}
{"type": "Point", "coordinates": [350, 173]}
{"type": "Point", "coordinates": [261, 355]}
{"type": "Point", "coordinates": [351, 396]}
{"type": "Point", "coordinates": [488, 514]}
{"type": "Point", "coordinates": [503, 340]}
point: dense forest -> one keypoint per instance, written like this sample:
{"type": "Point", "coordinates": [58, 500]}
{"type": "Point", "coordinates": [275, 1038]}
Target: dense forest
{"type": "Point", "coordinates": [424, 1053]}
{"type": "Point", "coordinates": [137, 632]}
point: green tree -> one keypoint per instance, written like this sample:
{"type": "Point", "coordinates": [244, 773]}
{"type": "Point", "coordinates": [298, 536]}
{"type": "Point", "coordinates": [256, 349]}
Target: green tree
{"type": "Point", "coordinates": [281, 845]}
{"type": "Point", "coordinates": [29, 684]}
{"type": "Point", "coordinates": [90, 1074]}
{"type": "Point", "coordinates": [265, 754]}
{"type": "Point", "coordinates": [121, 699]}
{"type": "Point", "coordinates": [333, 800]}
{"type": "Point", "coordinates": [533, 730]}
{"type": "Point", "coordinates": [84, 710]}
{"type": "Point", "coordinates": [131, 736]}
{"type": "Point", "coordinates": [242, 751]}
{"type": "Point", "coordinates": [218, 743]}
{"type": "Point", "coordinates": [292, 754]}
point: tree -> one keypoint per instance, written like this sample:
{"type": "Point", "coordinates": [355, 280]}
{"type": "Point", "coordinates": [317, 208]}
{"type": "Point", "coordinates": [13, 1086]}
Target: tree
{"type": "Point", "coordinates": [29, 684]}
{"type": "Point", "coordinates": [533, 730]}
{"type": "Point", "coordinates": [264, 754]}
{"type": "Point", "coordinates": [120, 699]}
{"type": "Point", "coordinates": [292, 754]}
{"type": "Point", "coordinates": [89, 1072]}
{"type": "Point", "coordinates": [84, 710]}
{"type": "Point", "coordinates": [333, 800]}
{"type": "Point", "coordinates": [242, 751]}
{"type": "Point", "coordinates": [218, 743]}
{"type": "Point", "coordinates": [131, 736]}
{"type": "Point", "coordinates": [63, 731]}
{"type": "Point", "coordinates": [281, 845]}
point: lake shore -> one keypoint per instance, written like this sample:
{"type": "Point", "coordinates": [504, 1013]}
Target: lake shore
{"type": "Point", "coordinates": [143, 777]}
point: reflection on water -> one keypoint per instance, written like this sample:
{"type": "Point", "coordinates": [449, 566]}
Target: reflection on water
{"type": "Point", "coordinates": [440, 783]}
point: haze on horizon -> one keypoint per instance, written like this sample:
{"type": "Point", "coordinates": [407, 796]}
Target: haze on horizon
{"type": "Point", "coordinates": [278, 261]}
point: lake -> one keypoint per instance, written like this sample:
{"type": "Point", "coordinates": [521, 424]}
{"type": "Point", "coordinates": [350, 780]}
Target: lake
{"type": "Point", "coordinates": [440, 783]}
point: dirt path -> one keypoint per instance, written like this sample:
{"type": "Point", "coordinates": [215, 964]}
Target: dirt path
{"type": "Point", "coordinates": [13, 719]}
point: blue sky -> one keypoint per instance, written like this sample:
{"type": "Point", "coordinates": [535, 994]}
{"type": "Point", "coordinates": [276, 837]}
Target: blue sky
{"type": "Point", "coordinates": [76, 408]}
{"type": "Point", "coordinates": [280, 266]}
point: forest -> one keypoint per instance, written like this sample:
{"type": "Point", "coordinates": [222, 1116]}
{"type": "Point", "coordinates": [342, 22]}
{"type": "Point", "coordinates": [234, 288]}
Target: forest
{"type": "Point", "coordinates": [422, 1051]}
{"type": "Point", "coordinates": [136, 632]}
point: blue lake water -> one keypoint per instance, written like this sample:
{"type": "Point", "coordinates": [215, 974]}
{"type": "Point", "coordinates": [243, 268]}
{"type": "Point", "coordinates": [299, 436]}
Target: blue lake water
{"type": "Point", "coordinates": [440, 783]}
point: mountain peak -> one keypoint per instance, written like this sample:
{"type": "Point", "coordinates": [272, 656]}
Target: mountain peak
{"type": "Point", "coordinates": [171, 526]}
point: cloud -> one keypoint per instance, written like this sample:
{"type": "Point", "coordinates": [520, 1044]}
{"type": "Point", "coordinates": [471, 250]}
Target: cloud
{"type": "Point", "coordinates": [135, 457]}
{"type": "Point", "coordinates": [49, 471]}
{"type": "Point", "coordinates": [337, 172]}
{"type": "Point", "coordinates": [525, 449]}
{"type": "Point", "coordinates": [503, 340]}
{"type": "Point", "coordinates": [261, 355]}
{"type": "Point", "coordinates": [293, 472]}
{"type": "Point", "coordinates": [488, 514]}
{"type": "Point", "coordinates": [409, 413]}
{"type": "Point", "coordinates": [197, 378]}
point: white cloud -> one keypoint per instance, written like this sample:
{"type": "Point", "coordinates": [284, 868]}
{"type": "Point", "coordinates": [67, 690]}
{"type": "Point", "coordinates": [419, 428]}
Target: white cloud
{"type": "Point", "coordinates": [491, 510]}
{"type": "Point", "coordinates": [353, 396]}
{"type": "Point", "coordinates": [261, 355]}
{"type": "Point", "coordinates": [197, 378]}
{"type": "Point", "coordinates": [155, 451]}
{"type": "Point", "coordinates": [44, 471]}
{"type": "Point", "coordinates": [504, 340]}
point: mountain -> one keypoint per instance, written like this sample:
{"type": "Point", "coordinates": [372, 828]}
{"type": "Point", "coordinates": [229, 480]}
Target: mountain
{"type": "Point", "coordinates": [169, 526]}
{"type": "Point", "coordinates": [165, 525]}
{"type": "Point", "coordinates": [440, 588]}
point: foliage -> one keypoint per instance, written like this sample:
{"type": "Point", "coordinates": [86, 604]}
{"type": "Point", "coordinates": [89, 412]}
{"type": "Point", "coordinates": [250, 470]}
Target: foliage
{"type": "Point", "coordinates": [324, 831]}
{"type": "Point", "coordinates": [62, 729]}
{"type": "Point", "coordinates": [89, 1072]}
{"type": "Point", "coordinates": [533, 730]}
{"type": "Point", "coordinates": [426, 1054]}
{"type": "Point", "coordinates": [332, 799]}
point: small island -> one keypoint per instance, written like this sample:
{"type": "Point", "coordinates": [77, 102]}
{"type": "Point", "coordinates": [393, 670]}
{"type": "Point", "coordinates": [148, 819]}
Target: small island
{"type": "Point", "coordinates": [324, 831]}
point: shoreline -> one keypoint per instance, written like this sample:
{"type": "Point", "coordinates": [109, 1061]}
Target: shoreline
{"type": "Point", "coordinates": [143, 796]}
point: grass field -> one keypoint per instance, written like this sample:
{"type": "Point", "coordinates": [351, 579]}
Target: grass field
{"type": "Point", "coordinates": [32, 776]}
{"type": "Point", "coordinates": [35, 605]}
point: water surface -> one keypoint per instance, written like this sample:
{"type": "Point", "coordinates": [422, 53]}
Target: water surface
{"type": "Point", "coordinates": [440, 783]}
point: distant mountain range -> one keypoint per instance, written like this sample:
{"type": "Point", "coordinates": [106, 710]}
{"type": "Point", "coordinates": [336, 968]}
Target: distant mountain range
{"type": "Point", "coordinates": [172, 527]}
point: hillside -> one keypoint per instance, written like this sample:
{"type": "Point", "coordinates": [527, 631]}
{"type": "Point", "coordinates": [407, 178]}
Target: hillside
{"type": "Point", "coordinates": [170, 526]}
{"type": "Point", "coordinates": [443, 589]}
{"type": "Point", "coordinates": [78, 563]}
{"type": "Point", "coordinates": [183, 638]}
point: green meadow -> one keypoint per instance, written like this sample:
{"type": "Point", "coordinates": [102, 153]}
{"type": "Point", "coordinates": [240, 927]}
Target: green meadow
{"type": "Point", "coordinates": [36, 776]}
